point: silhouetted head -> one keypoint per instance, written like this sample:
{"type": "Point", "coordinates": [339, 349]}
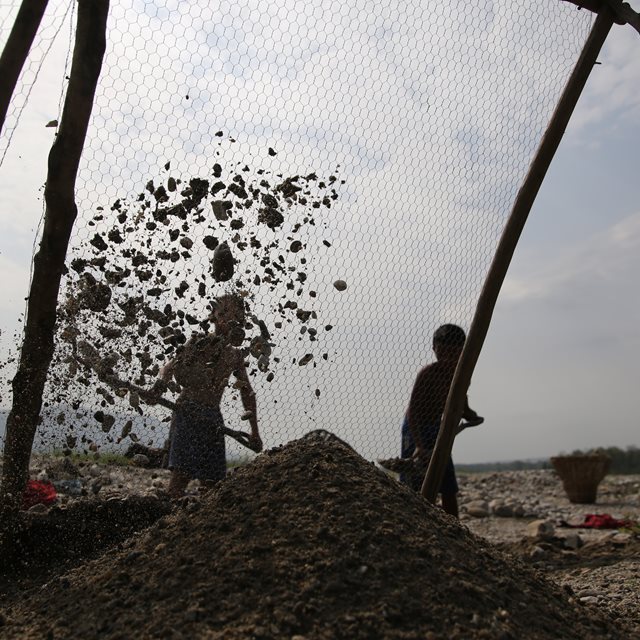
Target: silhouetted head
{"type": "Point", "coordinates": [228, 314]}
{"type": "Point", "coordinates": [448, 341]}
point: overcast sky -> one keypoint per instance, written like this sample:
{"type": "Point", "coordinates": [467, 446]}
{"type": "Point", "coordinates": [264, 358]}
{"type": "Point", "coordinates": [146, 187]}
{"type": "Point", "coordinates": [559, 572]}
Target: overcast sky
{"type": "Point", "coordinates": [433, 119]}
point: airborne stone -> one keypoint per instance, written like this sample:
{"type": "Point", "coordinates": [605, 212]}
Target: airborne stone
{"type": "Point", "coordinates": [222, 264]}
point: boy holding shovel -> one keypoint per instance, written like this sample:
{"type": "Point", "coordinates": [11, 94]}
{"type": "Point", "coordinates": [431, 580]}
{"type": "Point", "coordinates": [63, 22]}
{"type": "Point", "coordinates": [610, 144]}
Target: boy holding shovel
{"type": "Point", "coordinates": [203, 369]}
{"type": "Point", "coordinates": [426, 406]}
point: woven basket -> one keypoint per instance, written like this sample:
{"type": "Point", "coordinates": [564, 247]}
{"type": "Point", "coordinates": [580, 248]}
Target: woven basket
{"type": "Point", "coordinates": [581, 475]}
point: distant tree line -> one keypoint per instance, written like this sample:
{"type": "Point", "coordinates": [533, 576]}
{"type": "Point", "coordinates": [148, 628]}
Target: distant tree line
{"type": "Point", "coordinates": [512, 465]}
{"type": "Point", "coordinates": [623, 461]}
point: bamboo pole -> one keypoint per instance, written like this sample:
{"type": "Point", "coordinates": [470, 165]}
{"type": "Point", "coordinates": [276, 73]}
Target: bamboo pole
{"type": "Point", "coordinates": [48, 264]}
{"type": "Point", "coordinates": [506, 247]}
{"type": "Point", "coordinates": [16, 50]}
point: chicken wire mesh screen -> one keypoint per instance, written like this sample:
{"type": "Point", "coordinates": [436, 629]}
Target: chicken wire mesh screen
{"type": "Point", "coordinates": [344, 168]}
{"type": "Point", "coordinates": [56, 24]}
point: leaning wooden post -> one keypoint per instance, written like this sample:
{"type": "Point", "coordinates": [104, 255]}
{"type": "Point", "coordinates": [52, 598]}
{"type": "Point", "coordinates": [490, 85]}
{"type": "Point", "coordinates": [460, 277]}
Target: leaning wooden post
{"type": "Point", "coordinates": [506, 247]}
{"type": "Point", "coordinates": [16, 50]}
{"type": "Point", "coordinates": [48, 264]}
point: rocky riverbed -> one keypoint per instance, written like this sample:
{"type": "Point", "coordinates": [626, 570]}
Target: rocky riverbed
{"type": "Point", "coordinates": [526, 513]}
{"type": "Point", "coordinates": [523, 513]}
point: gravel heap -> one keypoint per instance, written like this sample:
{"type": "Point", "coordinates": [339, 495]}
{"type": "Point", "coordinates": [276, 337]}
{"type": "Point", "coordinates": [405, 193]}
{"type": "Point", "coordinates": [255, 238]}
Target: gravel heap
{"type": "Point", "coordinates": [308, 541]}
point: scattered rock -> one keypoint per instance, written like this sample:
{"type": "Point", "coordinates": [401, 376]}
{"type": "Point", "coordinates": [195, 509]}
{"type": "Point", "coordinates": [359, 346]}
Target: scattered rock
{"type": "Point", "coordinates": [537, 553]}
{"type": "Point", "coordinates": [477, 509]}
{"type": "Point", "coordinates": [541, 529]}
{"type": "Point", "coordinates": [572, 541]}
{"type": "Point", "coordinates": [140, 460]}
{"type": "Point", "coordinates": [95, 470]}
{"type": "Point", "coordinates": [221, 209]}
{"type": "Point", "coordinates": [621, 539]}
{"type": "Point", "coordinates": [500, 509]}
{"type": "Point", "coordinates": [38, 509]}
{"type": "Point", "coordinates": [223, 264]}
{"type": "Point", "coordinates": [340, 285]}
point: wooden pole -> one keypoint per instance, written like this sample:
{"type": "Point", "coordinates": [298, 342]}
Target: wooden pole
{"type": "Point", "coordinates": [506, 247]}
{"type": "Point", "coordinates": [48, 264]}
{"type": "Point", "coordinates": [622, 11]}
{"type": "Point", "coordinates": [16, 50]}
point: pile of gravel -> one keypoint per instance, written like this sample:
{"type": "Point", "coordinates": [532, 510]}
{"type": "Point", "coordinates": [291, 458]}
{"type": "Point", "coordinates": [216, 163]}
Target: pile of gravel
{"type": "Point", "coordinates": [308, 541]}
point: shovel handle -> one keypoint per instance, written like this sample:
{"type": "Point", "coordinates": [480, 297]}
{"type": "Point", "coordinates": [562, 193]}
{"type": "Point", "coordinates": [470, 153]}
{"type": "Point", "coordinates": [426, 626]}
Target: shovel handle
{"type": "Point", "coordinates": [113, 381]}
{"type": "Point", "coordinates": [239, 436]}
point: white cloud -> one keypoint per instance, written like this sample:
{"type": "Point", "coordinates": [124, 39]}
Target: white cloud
{"type": "Point", "coordinates": [559, 369]}
{"type": "Point", "coordinates": [612, 97]}
{"type": "Point", "coordinates": [601, 261]}
{"type": "Point", "coordinates": [14, 284]}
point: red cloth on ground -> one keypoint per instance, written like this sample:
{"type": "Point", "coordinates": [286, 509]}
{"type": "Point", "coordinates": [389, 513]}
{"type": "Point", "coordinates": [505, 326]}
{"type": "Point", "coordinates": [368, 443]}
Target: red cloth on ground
{"type": "Point", "coordinates": [603, 521]}
{"type": "Point", "coordinates": [38, 492]}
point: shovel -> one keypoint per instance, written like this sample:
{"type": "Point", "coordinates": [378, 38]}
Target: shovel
{"type": "Point", "coordinates": [116, 383]}
{"type": "Point", "coordinates": [413, 464]}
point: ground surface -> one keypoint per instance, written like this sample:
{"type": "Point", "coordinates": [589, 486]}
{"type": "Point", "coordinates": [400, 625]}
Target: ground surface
{"type": "Point", "coordinates": [604, 572]}
{"type": "Point", "coordinates": [310, 541]}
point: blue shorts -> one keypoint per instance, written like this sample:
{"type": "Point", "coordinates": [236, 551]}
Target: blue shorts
{"type": "Point", "coordinates": [428, 435]}
{"type": "Point", "coordinates": [197, 443]}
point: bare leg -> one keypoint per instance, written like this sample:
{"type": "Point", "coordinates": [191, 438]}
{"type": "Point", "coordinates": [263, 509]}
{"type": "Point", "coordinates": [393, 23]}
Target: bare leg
{"type": "Point", "coordinates": [450, 504]}
{"type": "Point", "coordinates": [178, 483]}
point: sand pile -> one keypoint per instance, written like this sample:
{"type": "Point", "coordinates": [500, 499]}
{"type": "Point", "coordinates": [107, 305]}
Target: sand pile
{"type": "Point", "coordinates": [43, 541]}
{"type": "Point", "coordinates": [311, 541]}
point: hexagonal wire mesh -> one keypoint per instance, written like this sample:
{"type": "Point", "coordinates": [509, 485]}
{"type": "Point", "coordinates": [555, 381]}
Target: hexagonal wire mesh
{"type": "Point", "coordinates": [389, 141]}
{"type": "Point", "coordinates": [59, 16]}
